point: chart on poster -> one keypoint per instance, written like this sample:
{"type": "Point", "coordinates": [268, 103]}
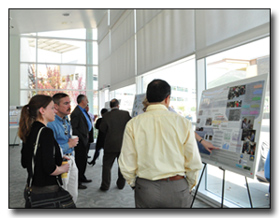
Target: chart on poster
{"type": "Point", "coordinates": [230, 118]}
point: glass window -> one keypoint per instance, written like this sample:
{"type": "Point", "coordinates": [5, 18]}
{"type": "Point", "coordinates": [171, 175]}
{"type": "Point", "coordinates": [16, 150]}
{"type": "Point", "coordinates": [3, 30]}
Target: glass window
{"type": "Point", "coordinates": [61, 51]}
{"type": "Point", "coordinates": [28, 76]}
{"type": "Point", "coordinates": [94, 34]}
{"type": "Point", "coordinates": [60, 65]}
{"type": "Point", "coordinates": [74, 34]}
{"type": "Point", "coordinates": [72, 94]}
{"type": "Point", "coordinates": [239, 63]}
{"type": "Point", "coordinates": [126, 97]}
{"type": "Point", "coordinates": [61, 77]}
{"type": "Point", "coordinates": [26, 95]}
{"type": "Point", "coordinates": [27, 49]}
{"type": "Point", "coordinates": [182, 79]}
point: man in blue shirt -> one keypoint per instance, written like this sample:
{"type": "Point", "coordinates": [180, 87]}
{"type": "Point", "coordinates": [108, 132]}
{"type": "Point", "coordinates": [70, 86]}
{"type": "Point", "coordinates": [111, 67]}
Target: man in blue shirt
{"type": "Point", "coordinates": [62, 133]}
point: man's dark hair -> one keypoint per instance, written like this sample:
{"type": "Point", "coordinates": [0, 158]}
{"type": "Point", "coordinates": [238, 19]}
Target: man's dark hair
{"type": "Point", "coordinates": [157, 91]}
{"type": "Point", "coordinates": [56, 97]}
{"type": "Point", "coordinates": [114, 103]}
{"type": "Point", "coordinates": [80, 98]}
{"type": "Point", "coordinates": [103, 111]}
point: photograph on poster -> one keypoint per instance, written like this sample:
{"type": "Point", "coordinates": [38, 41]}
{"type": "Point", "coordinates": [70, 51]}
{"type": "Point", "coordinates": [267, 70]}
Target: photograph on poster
{"type": "Point", "coordinates": [236, 91]}
{"type": "Point", "coordinates": [234, 103]}
{"type": "Point", "coordinates": [234, 115]}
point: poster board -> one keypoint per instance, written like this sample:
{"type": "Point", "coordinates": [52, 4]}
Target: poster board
{"type": "Point", "coordinates": [230, 118]}
{"type": "Point", "coordinates": [14, 115]}
{"type": "Point", "coordinates": [138, 105]}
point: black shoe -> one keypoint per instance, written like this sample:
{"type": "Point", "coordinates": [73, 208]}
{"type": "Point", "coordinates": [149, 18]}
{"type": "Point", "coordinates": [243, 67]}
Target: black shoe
{"type": "Point", "coordinates": [80, 186]}
{"type": "Point", "coordinates": [103, 189]}
{"type": "Point", "coordinates": [120, 184]}
{"type": "Point", "coordinates": [86, 180]}
{"type": "Point", "coordinates": [91, 163]}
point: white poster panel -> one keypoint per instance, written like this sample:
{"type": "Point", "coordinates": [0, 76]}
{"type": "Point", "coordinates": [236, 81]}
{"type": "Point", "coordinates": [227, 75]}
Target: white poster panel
{"type": "Point", "coordinates": [138, 105]}
{"type": "Point", "coordinates": [230, 118]}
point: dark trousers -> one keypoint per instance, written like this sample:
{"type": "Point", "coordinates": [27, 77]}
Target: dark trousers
{"type": "Point", "coordinates": [108, 161]}
{"type": "Point", "coordinates": [81, 155]}
{"type": "Point", "coordinates": [96, 153]}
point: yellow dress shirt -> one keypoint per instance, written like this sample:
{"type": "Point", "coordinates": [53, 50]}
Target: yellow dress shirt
{"type": "Point", "coordinates": [159, 144]}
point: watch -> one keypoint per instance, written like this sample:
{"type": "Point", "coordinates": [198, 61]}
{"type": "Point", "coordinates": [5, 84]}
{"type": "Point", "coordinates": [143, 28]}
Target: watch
{"type": "Point", "coordinates": [200, 140]}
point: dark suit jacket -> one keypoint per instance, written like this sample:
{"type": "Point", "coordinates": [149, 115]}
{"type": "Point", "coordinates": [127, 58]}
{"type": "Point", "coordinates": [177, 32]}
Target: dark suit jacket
{"type": "Point", "coordinates": [80, 126]}
{"type": "Point", "coordinates": [113, 124]}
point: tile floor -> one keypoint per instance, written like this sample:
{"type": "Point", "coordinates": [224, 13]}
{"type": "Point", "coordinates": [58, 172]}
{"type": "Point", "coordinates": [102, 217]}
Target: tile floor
{"type": "Point", "coordinates": [91, 197]}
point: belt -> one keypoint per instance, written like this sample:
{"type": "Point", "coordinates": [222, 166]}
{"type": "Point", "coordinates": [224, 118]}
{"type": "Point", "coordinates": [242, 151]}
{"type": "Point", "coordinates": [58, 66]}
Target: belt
{"type": "Point", "coordinates": [69, 154]}
{"type": "Point", "coordinates": [173, 178]}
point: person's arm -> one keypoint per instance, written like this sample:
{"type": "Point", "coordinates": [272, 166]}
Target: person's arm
{"type": "Point", "coordinates": [207, 145]}
{"type": "Point", "coordinates": [128, 158]}
{"type": "Point", "coordinates": [75, 123]}
{"type": "Point", "coordinates": [97, 124]}
{"type": "Point", "coordinates": [103, 126]}
{"type": "Point", "coordinates": [60, 169]}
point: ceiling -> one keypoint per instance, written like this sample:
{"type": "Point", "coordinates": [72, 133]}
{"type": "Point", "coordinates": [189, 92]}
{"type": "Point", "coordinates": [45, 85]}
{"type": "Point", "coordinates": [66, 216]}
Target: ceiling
{"type": "Point", "coordinates": [42, 20]}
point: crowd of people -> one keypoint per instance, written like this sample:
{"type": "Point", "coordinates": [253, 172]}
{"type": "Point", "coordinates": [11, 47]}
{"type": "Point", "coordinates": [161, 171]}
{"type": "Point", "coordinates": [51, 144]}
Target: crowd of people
{"type": "Point", "coordinates": [157, 151]}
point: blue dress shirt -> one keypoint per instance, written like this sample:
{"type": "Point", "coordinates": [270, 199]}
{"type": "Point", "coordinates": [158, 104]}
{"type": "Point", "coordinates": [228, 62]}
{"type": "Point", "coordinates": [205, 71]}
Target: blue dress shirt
{"type": "Point", "coordinates": [61, 129]}
{"type": "Point", "coordinates": [87, 117]}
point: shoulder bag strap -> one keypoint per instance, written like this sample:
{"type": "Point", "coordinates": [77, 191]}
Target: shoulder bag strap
{"type": "Point", "coordinates": [35, 151]}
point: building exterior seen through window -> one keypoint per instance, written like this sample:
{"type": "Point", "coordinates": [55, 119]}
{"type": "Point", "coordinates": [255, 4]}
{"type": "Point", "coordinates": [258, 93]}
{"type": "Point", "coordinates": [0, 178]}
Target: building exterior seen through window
{"type": "Point", "coordinates": [181, 76]}
{"type": "Point", "coordinates": [56, 61]}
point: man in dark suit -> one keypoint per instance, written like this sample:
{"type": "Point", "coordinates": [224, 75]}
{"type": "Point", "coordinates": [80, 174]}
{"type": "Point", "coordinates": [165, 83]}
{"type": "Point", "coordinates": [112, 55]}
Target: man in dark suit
{"type": "Point", "coordinates": [82, 127]}
{"type": "Point", "coordinates": [112, 125]}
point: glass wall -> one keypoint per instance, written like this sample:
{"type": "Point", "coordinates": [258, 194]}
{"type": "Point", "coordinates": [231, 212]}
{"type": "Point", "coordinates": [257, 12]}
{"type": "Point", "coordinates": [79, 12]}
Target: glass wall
{"type": "Point", "coordinates": [56, 61]}
{"type": "Point", "coordinates": [126, 97]}
{"type": "Point", "coordinates": [181, 76]}
{"type": "Point", "coordinates": [240, 63]}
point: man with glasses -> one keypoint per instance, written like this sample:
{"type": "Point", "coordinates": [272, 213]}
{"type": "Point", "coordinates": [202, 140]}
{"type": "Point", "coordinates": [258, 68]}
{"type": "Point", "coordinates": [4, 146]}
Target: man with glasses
{"type": "Point", "coordinates": [62, 133]}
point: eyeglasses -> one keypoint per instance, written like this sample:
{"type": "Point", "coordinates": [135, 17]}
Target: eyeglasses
{"type": "Point", "coordinates": [65, 127]}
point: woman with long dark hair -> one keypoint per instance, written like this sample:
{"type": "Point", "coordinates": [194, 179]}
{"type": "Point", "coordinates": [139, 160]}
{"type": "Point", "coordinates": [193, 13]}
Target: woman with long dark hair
{"type": "Point", "coordinates": [48, 159]}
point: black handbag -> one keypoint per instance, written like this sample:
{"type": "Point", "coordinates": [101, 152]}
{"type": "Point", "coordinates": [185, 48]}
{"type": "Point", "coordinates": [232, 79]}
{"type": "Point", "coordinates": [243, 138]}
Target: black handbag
{"type": "Point", "coordinates": [59, 198]}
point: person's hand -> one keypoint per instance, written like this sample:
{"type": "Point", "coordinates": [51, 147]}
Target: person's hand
{"type": "Point", "coordinates": [73, 142]}
{"type": "Point", "coordinates": [208, 146]}
{"type": "Point", "coordinates": [64, 168]}
{"type": "Point", "coordinates": [66, 157]}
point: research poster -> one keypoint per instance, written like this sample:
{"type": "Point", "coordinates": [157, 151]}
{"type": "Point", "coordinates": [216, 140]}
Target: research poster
{"type": "Point", "coordinates": [230, 118]}
{"type": "Point", "coordinates": [138, 105]}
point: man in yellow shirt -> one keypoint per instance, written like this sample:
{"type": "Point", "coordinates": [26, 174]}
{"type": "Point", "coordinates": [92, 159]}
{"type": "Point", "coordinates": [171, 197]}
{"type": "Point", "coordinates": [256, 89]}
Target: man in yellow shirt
{"type": "Point", "coordinates": [159, 156]}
